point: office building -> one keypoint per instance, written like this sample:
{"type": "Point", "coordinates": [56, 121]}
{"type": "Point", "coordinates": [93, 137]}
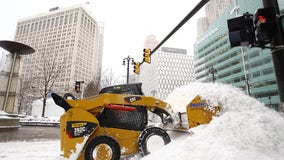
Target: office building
{"type": "Point", "coordinates": [170, 68]}
{"type": "Point", "coordinates": [213, 9]}
{"type": "Point", "coordinates": [248, 68]}
{"type": "Point", "coordinates": [67, 38]}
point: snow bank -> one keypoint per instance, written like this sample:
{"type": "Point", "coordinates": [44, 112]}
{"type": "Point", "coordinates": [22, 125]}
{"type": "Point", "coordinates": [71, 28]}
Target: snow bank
{"type": "Point", "coordinates": [245, 129]}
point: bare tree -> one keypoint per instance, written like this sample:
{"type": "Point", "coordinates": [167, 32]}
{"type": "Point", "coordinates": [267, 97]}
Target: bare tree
{"type": "Point", "coordinates": [93, 87]}
{"type": "Point", "coordinates": [99, 82]}
{"type": "Point", "coordinates": [108, 78]}
{"type": "Point", "coordinates": [24, 94]}
{"type": "Point", "coordinates": [50, 70]}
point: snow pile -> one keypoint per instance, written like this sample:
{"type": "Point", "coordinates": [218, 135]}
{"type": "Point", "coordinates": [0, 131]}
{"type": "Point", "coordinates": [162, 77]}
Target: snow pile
{"type": "Point", "coordinates": [245, 129]}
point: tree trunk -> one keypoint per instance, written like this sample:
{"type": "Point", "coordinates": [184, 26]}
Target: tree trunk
{"type": "Point", "coordinates": [43, 107]}
{"type": "Point", "coordinates": [44, 101]}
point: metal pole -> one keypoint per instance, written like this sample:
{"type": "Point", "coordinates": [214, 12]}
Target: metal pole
{"type": "Point", "coordinates": [127, 75]}
{"type": "Point", "coordinates": [245, 71]}
{"type": "Point", "coordinates": [243, 57]}
{"type": "Point", "coordinates": [181, 23]}
{"type": "Point", "coordinates": [9, 81]}
{"type": "Point", "coordinates": [212, 70]}
{"type": "Point", "coordinates": [82, 86]}
{"type": "Point", "coordinates": [277, 50]}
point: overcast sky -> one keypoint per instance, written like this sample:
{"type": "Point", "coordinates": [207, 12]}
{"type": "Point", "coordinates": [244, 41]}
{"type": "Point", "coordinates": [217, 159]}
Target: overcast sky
{"type": "Point", "coordinates": [127, 23]}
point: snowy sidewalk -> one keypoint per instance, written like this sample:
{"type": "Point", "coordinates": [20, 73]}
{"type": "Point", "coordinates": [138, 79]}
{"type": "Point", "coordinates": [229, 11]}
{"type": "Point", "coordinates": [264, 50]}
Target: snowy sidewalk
{"type": "Point", "coordinates": [38, 150]}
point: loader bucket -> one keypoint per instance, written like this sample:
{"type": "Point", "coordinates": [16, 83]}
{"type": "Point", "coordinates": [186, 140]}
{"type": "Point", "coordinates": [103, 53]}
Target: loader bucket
{"type": "Point", "coordinates": [200, 112]}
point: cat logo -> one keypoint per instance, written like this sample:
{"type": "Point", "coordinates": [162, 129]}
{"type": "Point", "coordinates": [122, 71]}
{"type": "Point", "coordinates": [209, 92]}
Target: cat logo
{"type": "Point", "coordinates": [132, 99]}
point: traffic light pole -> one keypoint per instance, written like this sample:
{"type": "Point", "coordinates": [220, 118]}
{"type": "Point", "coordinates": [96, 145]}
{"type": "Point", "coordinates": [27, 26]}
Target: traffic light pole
{"type": "Point", "coordinates": [181, 23]}
{"type": "Point", "coordinates": [277, 50]}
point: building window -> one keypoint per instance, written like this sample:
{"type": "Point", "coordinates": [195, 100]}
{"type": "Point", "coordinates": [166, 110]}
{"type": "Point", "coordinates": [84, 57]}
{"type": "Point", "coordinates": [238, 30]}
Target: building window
{"type": "Point", "coordinates": [267, 71]}
{"type": "Point", "coordinates": [52, 23]}
{"type": "Point", "coordinates": [65, 19]}
{"type": "Point", "coordinates": [47, 24]}
{"type": "Point", "coordinates": [61, 21]}
{"type": "Point", "coordinates": [56, 21]}
{"type": "Point", "coordinates": [70, 18]}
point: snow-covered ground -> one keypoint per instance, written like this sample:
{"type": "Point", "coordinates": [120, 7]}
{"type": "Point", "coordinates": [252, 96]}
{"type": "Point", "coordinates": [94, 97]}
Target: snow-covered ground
{"type": "Point", "coordinates": [34, 150]}
{"type": "Point", "coordinates": [245, 130]}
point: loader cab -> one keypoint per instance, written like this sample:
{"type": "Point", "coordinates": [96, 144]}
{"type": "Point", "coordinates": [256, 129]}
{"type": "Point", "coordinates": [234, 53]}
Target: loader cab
{"type": "Point", "coordinates": [133, 89]}
{"type": "Point", "coordinates": [124, 117]}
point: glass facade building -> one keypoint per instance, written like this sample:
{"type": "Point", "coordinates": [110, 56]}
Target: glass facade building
{"type": "Point", "coordinates": [248, 68]}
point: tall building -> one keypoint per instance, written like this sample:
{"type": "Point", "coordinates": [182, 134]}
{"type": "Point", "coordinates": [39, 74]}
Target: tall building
{"type": "Point", "coordinates": [170, 68]}
{"type": "Point", "coordinates": [68, 38]}
{"type": "Point", "coordinates": [100, 47]}
{"type": "Point", "coordinates": [151, 42]}
{"type": "Point", "coordinates": [202, 25]}
{"type": "Point", "coordinates": [213, 9]}
{"type": "Point", "coordinates": [248, 68]}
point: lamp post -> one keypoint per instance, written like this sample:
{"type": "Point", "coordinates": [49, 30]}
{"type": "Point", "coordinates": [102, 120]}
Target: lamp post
{"type": "Point", "coordinates": [269, 101]}
{"type": "Point", "coordinates": [128, 58]}
{"type": "Point", "coordinates": [212, 71]}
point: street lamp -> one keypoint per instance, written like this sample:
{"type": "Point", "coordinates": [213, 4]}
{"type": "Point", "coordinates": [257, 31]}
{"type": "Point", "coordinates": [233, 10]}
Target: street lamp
{"type": "Point", "coordinates": [212, 71]}
{"type": "Point", "coordinates": [269, 101]}
{"type": "Point", "coordinates": [128, 58]}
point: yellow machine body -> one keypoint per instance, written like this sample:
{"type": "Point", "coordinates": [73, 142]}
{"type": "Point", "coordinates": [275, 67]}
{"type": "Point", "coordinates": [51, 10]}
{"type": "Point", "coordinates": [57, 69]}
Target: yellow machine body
{"type": "Point", "coordinates": [84, 119]}
{"type": "Point", "coordinates": [86, 111]}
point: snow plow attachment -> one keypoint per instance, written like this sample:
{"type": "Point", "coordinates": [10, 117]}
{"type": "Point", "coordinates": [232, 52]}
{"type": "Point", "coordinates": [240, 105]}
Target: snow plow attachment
{"type": "Point", "coordinates": [199, 111]}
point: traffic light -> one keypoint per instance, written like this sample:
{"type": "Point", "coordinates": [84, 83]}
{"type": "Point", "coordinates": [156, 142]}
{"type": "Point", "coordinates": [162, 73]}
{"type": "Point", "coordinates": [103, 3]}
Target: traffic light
{"type": "Point", "coordinates": [78, 86]}
{"type": "Point", "coordinates": [265, 23]}
{"type": "Point", "coordinates": [136, 67]}
{"type": "Point", "coordinates": [147, 55]}
{"type": "Point", "coordinates": [241, 30]}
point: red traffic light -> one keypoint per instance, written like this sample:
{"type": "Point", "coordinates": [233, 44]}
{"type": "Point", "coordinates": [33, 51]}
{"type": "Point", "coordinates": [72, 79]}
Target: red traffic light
{"type": "Point", "coordinates": [265, 23]}
{"type": "Point", "coordinates": [261, 19]}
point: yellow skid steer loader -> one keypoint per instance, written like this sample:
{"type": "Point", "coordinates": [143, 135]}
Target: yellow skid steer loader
{"type": "Point", "coordinates": [114, 123]}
